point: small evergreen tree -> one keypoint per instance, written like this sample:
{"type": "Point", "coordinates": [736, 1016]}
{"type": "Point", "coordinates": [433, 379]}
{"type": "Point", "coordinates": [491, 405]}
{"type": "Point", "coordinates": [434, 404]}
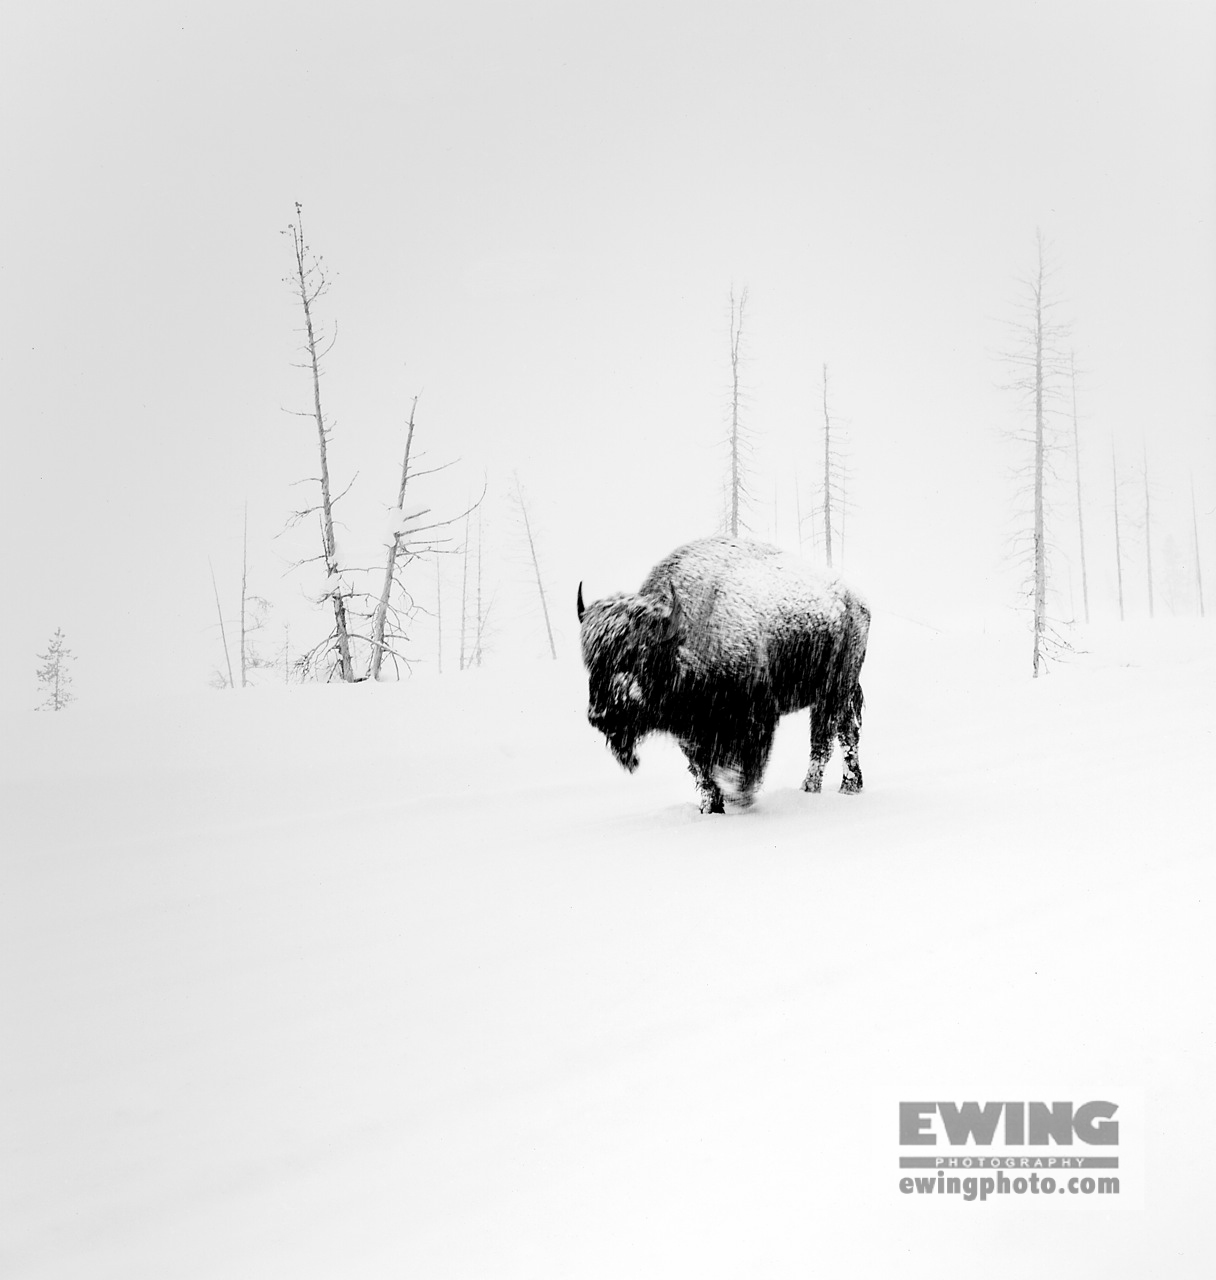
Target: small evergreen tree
{"type": "Point", "coordinates": [54, 676]}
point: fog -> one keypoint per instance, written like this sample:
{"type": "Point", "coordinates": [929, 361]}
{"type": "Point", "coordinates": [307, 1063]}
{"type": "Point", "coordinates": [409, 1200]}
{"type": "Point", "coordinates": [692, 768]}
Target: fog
{"type": "Point", "coordinates": [533, 219]}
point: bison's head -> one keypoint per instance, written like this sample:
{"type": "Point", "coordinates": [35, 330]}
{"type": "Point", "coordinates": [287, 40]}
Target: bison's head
{"type": "Point", "coordinates": [629, 646]}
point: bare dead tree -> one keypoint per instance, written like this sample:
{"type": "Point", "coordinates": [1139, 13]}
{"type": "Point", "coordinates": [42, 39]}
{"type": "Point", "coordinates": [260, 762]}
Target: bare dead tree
{"type": "Point", "coordinates": [739, 445]}
{"type": "Point", "coordinates": [472, 649]}
{"type": "Point", "coordinates": [540, 586]}
{"type": "Point", "coordinates": [1038, 360]}
{"type": "Point", "coordinates": [808, 522]}
{"type": "Point", "coordinates": [472, 631]}
{"type": "Point", "coordinates": [310, 284]}
{"type": "Point", "coordinates": [482, 610]}
{"type": "Point", "coordinates": [223, 634]}
{"type": "Point", "coordinates": [253, 612]}
{"type": "Point", "coordinates": [830, 516]}
{"type": "Point", "coordinates": [382, 618]}
{"type": "Point", "coordinates": [1195, 532]}
{"type": "Point", "coordinates": [1076, 439]}
{"type": "Point", "coordinates": [392, 554]}
{"type": "Point", "coordinates": [1040, 444]}
{"type": "Point", "coordinates": [1114, 471]}
{"type": "Point", "coordinates": [372, 603]}
{"type": "Point", "coordinates": [827, 471]}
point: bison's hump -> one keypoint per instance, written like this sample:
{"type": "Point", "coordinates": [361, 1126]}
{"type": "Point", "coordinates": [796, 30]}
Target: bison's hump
{"type": "Point", "coordinates": [745, 604]}
{"type": "Point", "coordinates": [748, 583]}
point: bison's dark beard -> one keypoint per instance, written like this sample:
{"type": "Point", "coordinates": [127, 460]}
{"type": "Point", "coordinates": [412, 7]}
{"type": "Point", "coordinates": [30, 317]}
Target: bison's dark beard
{"type": "Point", "coordinates": [624, 748]}
{"type": "Point", "coordinates": [621, 734]}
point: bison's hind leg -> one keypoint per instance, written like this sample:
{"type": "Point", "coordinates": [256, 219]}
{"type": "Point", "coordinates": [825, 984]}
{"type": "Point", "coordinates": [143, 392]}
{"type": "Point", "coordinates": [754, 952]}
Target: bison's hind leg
{"type": "Point", "coordinates": [824, 733]}
{"type": "Point", "coordinates": [850, 734]}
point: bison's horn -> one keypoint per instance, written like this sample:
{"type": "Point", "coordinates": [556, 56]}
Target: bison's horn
{"type": "Point", "coordinates": [581, 608]}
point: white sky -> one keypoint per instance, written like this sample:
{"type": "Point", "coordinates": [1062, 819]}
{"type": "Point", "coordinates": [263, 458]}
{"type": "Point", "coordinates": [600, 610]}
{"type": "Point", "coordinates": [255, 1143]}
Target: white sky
{"type": "Point", "coordinates": [533, 215]}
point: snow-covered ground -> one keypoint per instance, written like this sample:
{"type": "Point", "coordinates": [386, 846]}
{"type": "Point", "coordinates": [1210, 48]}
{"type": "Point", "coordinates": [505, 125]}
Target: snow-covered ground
{"type": "Point", "coordinates": [414, 981]}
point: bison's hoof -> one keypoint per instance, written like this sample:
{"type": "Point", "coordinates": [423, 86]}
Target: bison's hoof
{"type": "Point", "coordinates": [712, 804]}
{"type": "Point", "coordinates": [813, 785]}
{"type": "Point", "coordinates": [850, 786]}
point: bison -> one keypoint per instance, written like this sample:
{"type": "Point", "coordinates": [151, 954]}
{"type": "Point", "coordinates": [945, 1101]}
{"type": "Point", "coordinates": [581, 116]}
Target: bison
{"type": "Point", "coordinates": [724, 638]}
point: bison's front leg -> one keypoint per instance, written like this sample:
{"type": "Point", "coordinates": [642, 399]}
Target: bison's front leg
{"type": "Point", "coordinates": [711, 797]}
{"type": "Point", "coordinates": [753, 763]}
{"type": "Point", "coordinates": [700, 767]}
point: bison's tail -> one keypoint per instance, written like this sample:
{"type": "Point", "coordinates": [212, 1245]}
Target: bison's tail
{"type": "Point", "coordinates": [845, 699]}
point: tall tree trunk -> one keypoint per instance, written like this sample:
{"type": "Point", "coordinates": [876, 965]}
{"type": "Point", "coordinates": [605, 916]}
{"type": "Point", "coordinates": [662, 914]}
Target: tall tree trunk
{"type": "Point", "coordinates": [1040, 541]}
{"type": "Point", "coordinates": [477, 631]}
{"type": "Point", "coordinates": [544, 605]}
{"type": "Point", "coordinates": [329, 543]}
{"type": "Point", "coordinates": [390, 560]}
{"type": "Point", "coordinates": [464, 591]}
{"type": "Point", "coordinates": [827, 472]}
{"type": "Point", "coordinates": [736, 469]}
{"type": "Point", "coordinates": [223, 635]}
{"type": "Point", "coordinates": [1076, 442]}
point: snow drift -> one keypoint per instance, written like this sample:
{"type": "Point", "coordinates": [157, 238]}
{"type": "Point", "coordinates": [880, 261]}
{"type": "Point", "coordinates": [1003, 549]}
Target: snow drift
{"type": "Point", "coordinates": [412, 980]}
